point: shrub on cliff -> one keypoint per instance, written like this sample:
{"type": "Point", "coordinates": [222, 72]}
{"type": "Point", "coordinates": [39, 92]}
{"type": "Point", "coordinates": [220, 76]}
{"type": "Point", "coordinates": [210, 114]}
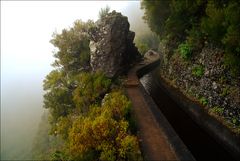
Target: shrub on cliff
{"type": "Point", "coordinates": [88, 126]}
{"type": "Point", "coordinates": [156, 13]}
{"type": "Point", "coordinates": [90, 88]}
{"type": "Point", "coordinates": [185, 50]}
{"type": "Point", "coordinates": [103, 12]}
{"type": "Point", "coordinates": [58, 96]}
{"type": "Point", "coordinates": [146, 41]}
{"type": "Point", "coordinates": [73, 47]}
{"type": "Point", "coordinates": [104, 133]}
{"type": "Point", "coordinates": [197, 22]}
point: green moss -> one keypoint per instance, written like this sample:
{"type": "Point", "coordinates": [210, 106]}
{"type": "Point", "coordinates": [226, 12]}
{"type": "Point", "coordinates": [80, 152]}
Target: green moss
{"type": "Point", "coordinates": [225, 91]}
{"type": "Point", "coordinates": [217, 110]}
{"type": "Point", "coordinates": [222, 79]}
{"type": "Point", "coordinates": [198, 71]}
{"type": "Point", "coordinates": [203, 101]}
{"type": "Point", "coordinates": [185, 50]}
{"type": "Point", "coordinates": [234, 120]}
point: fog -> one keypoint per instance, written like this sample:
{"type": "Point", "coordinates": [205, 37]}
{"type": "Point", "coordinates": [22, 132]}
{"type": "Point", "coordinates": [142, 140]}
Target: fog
{"type": "Point", "coordinates": [26, 55]}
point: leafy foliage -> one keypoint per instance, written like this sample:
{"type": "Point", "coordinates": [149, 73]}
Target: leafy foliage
{"type": "Point", "coordinates": [185, 50]}
{"type": "Point", "coordinates": [197, 22]}
{"type": "Point", "coordinates": [156, 13]}
{"type": "Point", "coordinates": [103, 12]}
{"type": "Point", "coordinates": [89, 88]}
{"type": "Point", "coordinates": [72, 57]}
{"type": "Point", "coordinates": [104, 132]}
{"type": "Point", "coordinates": [86, 121]}
{"type": "Point", "coordinates": [172, 17]}
{"type": "Point", "coordinates": [213, 24]}
{"type": "Point", "coordinates": [198, 71]}
{"type": "Point", "coordinates": [146, 41]}
{"type": "Point", "coordinates": [203, 101]}
{"type": "Point", "coordinates": [217, 110]}
{"type": "Point", "coordinates": [233, 62]}
{"type": "Point", "coordinates": [58, 96]}
{"type": "Point", "coordinates": [195, 38]}
{"type": "Point", "coordinates": [73, 47]}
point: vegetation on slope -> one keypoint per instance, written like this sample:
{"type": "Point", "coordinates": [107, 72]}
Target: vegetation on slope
{"type": "Point", "coordinates": [200, 42]}
{"type": "Point", "coordinates": [90, 116]}
{"type": "Point", "coordinates": [197, 22]}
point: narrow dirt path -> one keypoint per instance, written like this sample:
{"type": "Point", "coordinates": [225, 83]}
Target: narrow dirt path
{"type": "Point", "coordinates": [154, 142]}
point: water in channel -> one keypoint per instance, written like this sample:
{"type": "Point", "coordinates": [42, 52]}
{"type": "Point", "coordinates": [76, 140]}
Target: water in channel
{"type": "Point", "coordinates": [200, 144]}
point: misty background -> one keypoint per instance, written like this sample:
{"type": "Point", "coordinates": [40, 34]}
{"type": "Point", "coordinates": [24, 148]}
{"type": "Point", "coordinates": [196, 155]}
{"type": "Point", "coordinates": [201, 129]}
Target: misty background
{"type": "Point", "coordinates": [26, 55]}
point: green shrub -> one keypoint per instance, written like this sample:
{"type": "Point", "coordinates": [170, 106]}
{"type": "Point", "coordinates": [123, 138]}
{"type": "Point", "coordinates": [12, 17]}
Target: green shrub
{"type": "Point", "coordinates": [156, 13]}
{"type": "Point", "coordinates": [195, 38]}
{"type": "Point", "coordinates": [235, 121]}
{"type": "Point", "coordinates": [231, 39]}
{"type": "Point", "coordinates": [203, 101]}
{"type": "Point", "coordinates": [58, 155]}
{"type": "Point", "coordinates": [225, 91]}
{"type": "Point", "coordinates": [185, 50]}
{"type": "Point", "coordinates": [198, 71]}
{"type": "Point", "coordinates": [105, 131]}
{"type": "Point", "coordinates": [103, 12]}
{"type": "Point", "coordinates": [217, 110]}
{"type": "Point", "coordinates": [89, 88]}
{"type": "Point", "coordinates": [213, 25]}
{"type": "Point", "coordinates": [232, 62]}
{"type": "Point", "coordinates": [146, 41]}
{"type": "Point", "coordinates": [73, 47]}
{"type": "Point", "coordinates": [142, 48]}
{"type": "Point", "coordinates": [198, 22]}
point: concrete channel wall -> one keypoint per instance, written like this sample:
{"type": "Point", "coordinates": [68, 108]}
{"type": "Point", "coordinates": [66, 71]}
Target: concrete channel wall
{"type": "Point", "coordinates": [213, 127]}
{"type": "Point", "coordinates": [223, 135]}
{"type": "Point", "coordinates": [180, 150]}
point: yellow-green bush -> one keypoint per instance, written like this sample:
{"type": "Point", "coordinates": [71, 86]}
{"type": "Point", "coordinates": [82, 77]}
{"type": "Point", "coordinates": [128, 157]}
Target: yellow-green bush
{"type": "Point", "coordinates": [90, 86]}
{"type": "Point", "coordinates": [104, 132]}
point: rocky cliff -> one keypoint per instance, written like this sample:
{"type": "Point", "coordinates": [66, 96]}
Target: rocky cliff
{"type": "Point", "coordinates": [111, 45]}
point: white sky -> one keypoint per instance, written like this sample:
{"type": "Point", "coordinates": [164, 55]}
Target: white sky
{"type": "Point", "coordinates": [26, 55]}
{"type": "Point", "coordinates": [27, 27]}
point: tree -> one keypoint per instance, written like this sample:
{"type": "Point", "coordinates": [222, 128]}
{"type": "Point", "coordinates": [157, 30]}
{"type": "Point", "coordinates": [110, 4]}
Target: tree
{"type": "Point", "coordinates": [146, 41]}
{"type": "Point", "coordinates": [91, 123]}
{"type": "Point", "coordinates": [103, 12]}
{"type": "Point", "coordinates": [156, 13]}
{"type": "Point", "coordinates": [72, 57]}
{"type": "Point", "coordinates": [195, 23]}
{"type": "Point", "coordinates": [90, 88]}
{"type": "Point", "coordinates": [73, 47]}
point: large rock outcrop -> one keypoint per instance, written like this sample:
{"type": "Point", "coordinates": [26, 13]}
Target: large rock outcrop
{"type": "Point", "coordinates": [111, 46]}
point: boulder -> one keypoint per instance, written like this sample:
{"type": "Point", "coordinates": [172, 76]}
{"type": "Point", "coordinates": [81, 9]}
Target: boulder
{"type": "Point", "coordinates": [112, 50]}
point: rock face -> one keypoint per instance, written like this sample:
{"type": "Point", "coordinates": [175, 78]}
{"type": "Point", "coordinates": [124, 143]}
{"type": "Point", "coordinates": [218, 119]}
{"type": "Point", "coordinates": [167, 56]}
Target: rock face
{"type": "Point", "coordinates": [111, 45]}
{"type": "Point", "coordinates": [215, 85]}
